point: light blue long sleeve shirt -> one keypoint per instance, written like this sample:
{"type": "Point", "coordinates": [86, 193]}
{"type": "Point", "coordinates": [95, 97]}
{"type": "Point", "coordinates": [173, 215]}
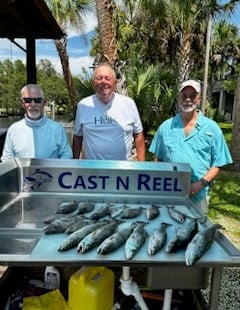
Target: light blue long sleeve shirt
{"type": "Point", "coordinates": [43, 138]}
{"type": "Point", "coordinates": [203, 148]}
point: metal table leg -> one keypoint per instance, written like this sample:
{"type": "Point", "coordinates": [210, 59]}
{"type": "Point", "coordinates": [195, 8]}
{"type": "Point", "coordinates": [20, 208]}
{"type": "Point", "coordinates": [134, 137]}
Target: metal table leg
{"type": "Point", "coordinates": [215, 288]}
{"type": "Point", "coordinates": [167, 299]}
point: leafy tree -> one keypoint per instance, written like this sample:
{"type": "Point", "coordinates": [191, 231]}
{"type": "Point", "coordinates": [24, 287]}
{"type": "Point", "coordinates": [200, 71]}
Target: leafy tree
{"type": "Point", "coordinates": [84, 85]}
{"type": "Point", "coordinates": [225, 51]}
{"type": "Point", "coordinates": [54, 87]}
{"type": "Point", "coordinates": [151, 88]}
{"type": "Point", "coordinates": [12, 79]}
{"type": "Point", "coordinates": [69, 12]}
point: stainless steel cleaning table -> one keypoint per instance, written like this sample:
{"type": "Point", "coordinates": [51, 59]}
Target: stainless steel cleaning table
{"type": "Point", "coordinates": [31, 189]}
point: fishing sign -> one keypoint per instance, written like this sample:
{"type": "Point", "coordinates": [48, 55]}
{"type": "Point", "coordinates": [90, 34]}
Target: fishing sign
{"type": "Point", "coordinates": [99, 176]}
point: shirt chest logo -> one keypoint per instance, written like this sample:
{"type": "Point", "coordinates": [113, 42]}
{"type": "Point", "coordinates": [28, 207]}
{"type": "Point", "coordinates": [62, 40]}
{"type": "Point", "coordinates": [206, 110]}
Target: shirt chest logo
{"type": "Point", "coordinates": [104, 121]}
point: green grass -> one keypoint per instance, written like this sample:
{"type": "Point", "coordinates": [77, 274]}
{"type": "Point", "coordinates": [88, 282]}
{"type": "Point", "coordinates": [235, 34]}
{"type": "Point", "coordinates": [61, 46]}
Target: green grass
{"type": "Point", "coordinates": [224, 206]}
{"type": "Point", "coordinates": [227, 131]}
{"type": "Point", "coordinates": [225, 195]}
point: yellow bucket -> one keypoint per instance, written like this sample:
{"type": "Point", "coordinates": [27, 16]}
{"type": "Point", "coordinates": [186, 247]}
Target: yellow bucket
{"type": "Point", "coordinates": [91, 288]}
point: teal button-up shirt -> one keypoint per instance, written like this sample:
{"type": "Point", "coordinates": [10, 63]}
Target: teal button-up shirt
{"type": "Point", "coordinates": [203, 148]}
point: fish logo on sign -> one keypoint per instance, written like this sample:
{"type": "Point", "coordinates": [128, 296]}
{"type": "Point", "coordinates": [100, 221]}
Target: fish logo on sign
{"type": "Point", "coordinates": [36, 179]}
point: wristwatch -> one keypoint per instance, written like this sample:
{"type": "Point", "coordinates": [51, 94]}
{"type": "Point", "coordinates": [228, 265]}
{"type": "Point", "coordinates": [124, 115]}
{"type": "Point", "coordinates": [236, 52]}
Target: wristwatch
{"type": "Point", "coordinates": [204, 182]}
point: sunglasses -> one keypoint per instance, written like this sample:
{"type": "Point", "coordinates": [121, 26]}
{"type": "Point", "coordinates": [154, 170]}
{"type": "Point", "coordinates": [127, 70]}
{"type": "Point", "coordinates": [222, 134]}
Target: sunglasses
{"type": "Point", "coordinates": [29, 100]}
{"type": "Point", "coordinates": [191, 97]}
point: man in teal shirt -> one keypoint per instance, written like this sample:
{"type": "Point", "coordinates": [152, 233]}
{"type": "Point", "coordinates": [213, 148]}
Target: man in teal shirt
{"type": "Point", "coordinates": [190, 137]}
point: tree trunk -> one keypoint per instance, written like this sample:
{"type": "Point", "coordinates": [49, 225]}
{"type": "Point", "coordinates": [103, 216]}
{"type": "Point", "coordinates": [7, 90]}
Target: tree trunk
{"type": "Point", "coordinates": [108, 45]}
{"type": "Point", "coordinates": [61, 46]}
{"type": "Point", "coordinates": [205, 80]}
{"type": "Point", "coordinates": [235, 145]}
{"type": "Point", "coordinates": [106, 31]}
{"type": "Point", "coordinates": [184, 58]}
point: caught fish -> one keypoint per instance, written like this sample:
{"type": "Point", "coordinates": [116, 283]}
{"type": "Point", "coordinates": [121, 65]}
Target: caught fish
{"type": "Point", "coordinates": [135, 240]}
{"type": "Point", "coordinates": [115, 241]}
{"type": "Point", "coordinates": [67, 207]}
{"type": "Point", "coordinates": [54, 217]}
{"type": "Point", "coordinates": [79, 224]}
{"type": "Point", "coordinates": [200, 243]}
{"type": "Point", "coordinates": [79, 210]}
{"type": "Point", "coordinates": [115, 211]}
{"type": "Point", "coordinates": [129, 213]}
{"type": "Point", "coordinates": [96, 237]}
{"type": "Point", "coordinates": [99, 212]}
{"type": "Point", "coordinates": [152, 212]}
{"type": "Point", "coordinates": [184, 235]}
{"type": "Point", "coordinates": [84, 207]}
{"type": "Point", "coordinates": [60, 225]}
{"type": "Point", "coordinates": [176, 215]}
{"type": "Point", "coordinates": [157, 239]}
{"type": "Point", "coordinates": [73, 239]}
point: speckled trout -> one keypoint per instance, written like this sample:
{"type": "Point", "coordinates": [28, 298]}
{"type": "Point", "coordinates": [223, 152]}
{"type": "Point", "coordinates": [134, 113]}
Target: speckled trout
{"type": "Point", "coordinates": [200, 243]}
{"type": "Point", "coordinates": [96, 237]}
{"type": "Point", "coordinates": [135, 240]}
{"type": "Point", "coordinates": [73, 239]}
{"type": "Point", "coordinates": [60, 225]}
{"type": "Point", "coordinates": [157, 239]}
{"type": "Point", "coordinates": [183, 236]}
{"type": "Point", "coordinates": [115, 240]}
{"type": "Point", "coordinates": [152, 212]}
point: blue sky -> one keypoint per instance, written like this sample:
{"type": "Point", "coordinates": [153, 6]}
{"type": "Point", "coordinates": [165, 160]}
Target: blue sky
{"type": "Point", "coordinates": [78, 49]}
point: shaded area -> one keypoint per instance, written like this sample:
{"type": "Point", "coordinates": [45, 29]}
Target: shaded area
{"type": "Point", "coordinates": [3, 132]}
{"type": "Point", "coordinates": [29, 19]}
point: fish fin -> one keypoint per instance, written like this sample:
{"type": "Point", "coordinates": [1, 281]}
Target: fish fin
{"type": "Point", "coordinates": [202, 219]}
{"type": "Point", "coordinates": [31, 179]}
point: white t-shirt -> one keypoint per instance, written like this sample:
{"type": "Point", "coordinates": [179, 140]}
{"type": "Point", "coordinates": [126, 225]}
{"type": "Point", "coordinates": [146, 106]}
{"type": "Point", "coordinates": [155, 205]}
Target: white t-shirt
{"type": "Point", "coordinates": [107, 129]}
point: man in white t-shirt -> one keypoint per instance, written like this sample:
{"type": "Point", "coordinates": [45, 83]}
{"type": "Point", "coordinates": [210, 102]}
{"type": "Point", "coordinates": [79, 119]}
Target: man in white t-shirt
{"type": "Point", "coordinates": [107, 123]}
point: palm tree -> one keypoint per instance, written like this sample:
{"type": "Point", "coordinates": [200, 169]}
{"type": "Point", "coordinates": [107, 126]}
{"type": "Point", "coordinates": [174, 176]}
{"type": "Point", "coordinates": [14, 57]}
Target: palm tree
{"type": "Point", "coordinates": [213, 10]}
{"type": "Point", "coordinates": [235, 145]}
{"type": "Point", "coordinates": [154, 99]}
{"type": "Point", "coordinates": [68, 12]}
{"type": "Point", "coordinates": [107, 35]}
{"type": "Point", "coordinates": [106, 11]}
{"type": "Point", "coordinates": [190, 24]}
{"type": "Point", "coordinates": [225, 49]}
{"type": "Point", "coordinates": [226, 54]}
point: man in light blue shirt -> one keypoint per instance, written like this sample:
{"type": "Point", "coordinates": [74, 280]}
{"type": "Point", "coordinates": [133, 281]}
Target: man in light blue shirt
{"type": "Point", "coordinates": [190, 137]}
{"type": "Point", "coordinates": [35, 136]}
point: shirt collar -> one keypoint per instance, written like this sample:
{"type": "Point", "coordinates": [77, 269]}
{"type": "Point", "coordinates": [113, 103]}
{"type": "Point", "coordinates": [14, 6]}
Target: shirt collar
{"type": "Point", "coordinates": [200, 119]}
{"type": "Point", "coordinates": [199, 122]}
{"type": "Point", "coordinates": [35, 123]}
